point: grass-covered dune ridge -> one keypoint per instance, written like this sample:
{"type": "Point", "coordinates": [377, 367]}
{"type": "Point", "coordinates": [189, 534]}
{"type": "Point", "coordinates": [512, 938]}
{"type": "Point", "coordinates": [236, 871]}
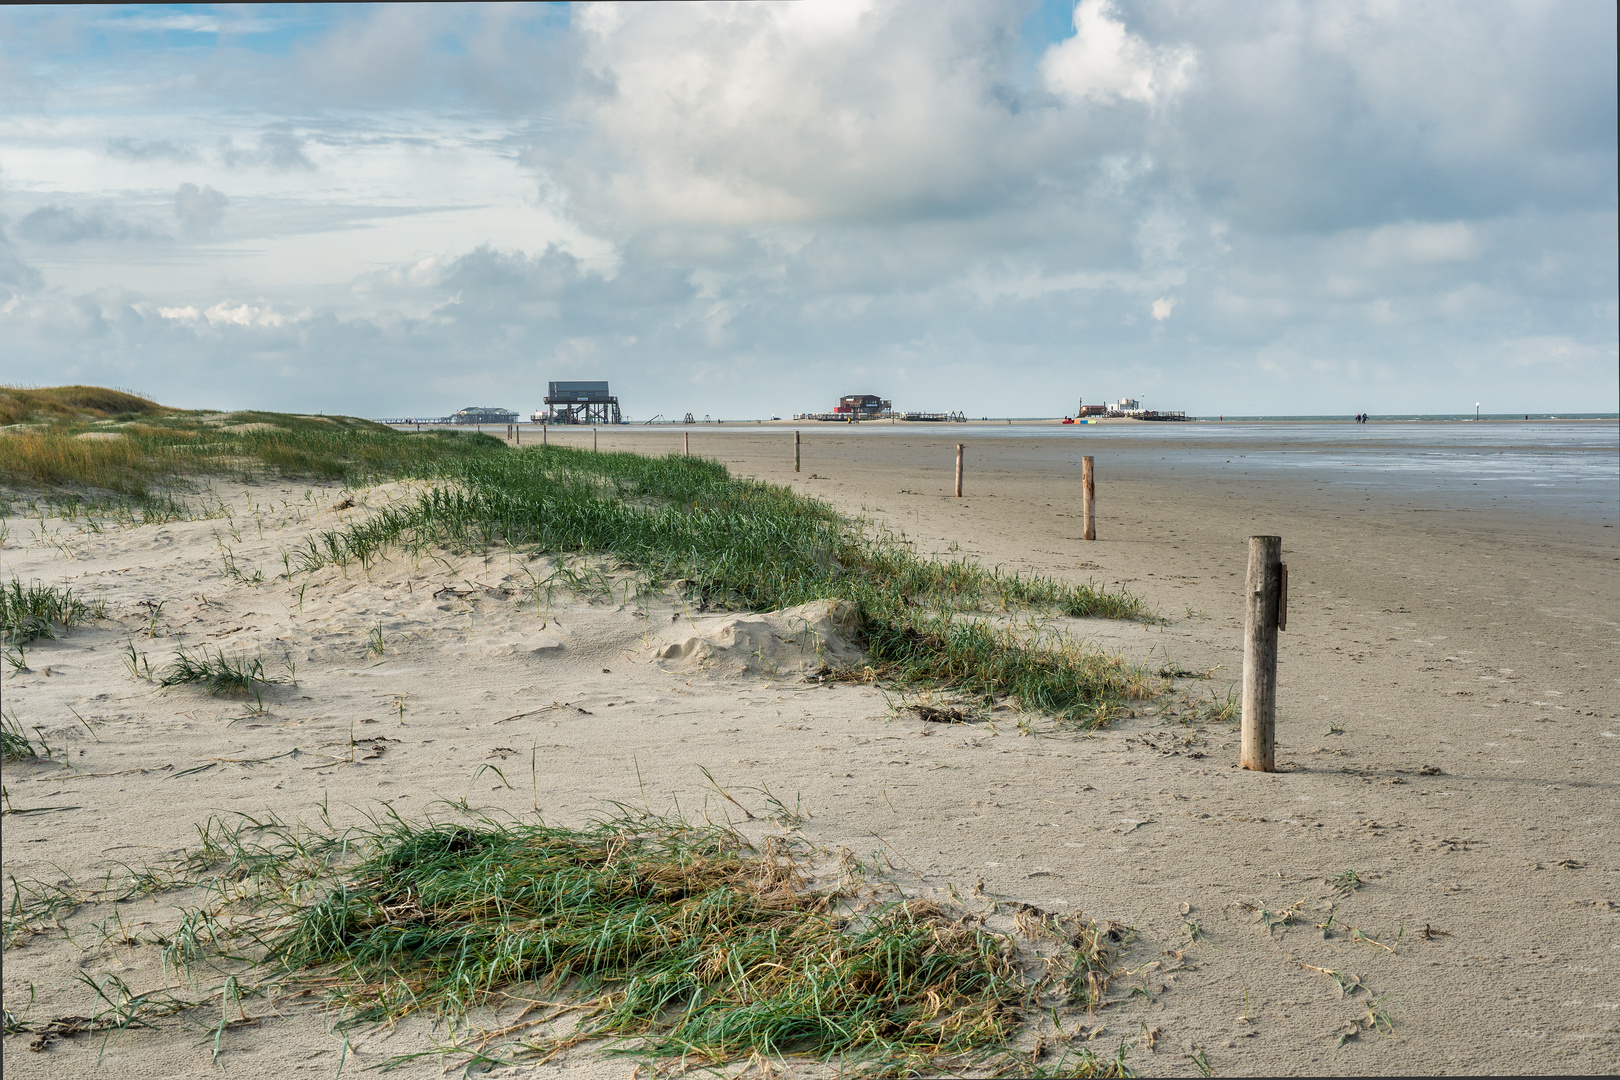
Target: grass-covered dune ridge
{"type": "Point", "coordinates": [144, 456]}
{"type": "Point", "coordinates": [744, 544]}
{"type": "Point", "coordinates": [82, 403]}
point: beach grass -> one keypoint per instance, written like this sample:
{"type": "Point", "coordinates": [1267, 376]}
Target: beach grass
{"type": "Point", "coordinates": [221, 673]}
{"type": "Point", "coordinates": [636, 934]}
{"type": "Point", "coordinates": [15, 745]}
{"type": "Point", "coordinates": [32, 611]}
{"type": "Point", "coordinates": [674, 522]}
{"type": "Point", "coordinates": [648, 934]}
{"type": "Point", "coordinates": [73, 403]}
{"type": "Point", "coordinates": [728, 542]}
{"type": "Point", "coordinates": [141, 458]}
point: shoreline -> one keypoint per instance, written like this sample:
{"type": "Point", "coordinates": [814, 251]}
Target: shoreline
{"type": "Point", "coordinates": [936, 425]}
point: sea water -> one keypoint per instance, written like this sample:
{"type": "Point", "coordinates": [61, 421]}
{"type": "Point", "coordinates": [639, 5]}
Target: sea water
{"type": "Point", "coordinates": [1566, 467]}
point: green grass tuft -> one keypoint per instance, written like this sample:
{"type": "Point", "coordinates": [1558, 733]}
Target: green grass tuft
{"type": "Point", "coordinates": [29, 612]}
{"type": "Point", "coordinates": [643, 935]}
{"type": "Point", "coordinates": [662, 938]}
{"type": "Point", "coordinates": [220, 673]}
{"type": "Point", "coordinates": [678, 937]}
{"type": "Point", "coordinates": [15, 745]}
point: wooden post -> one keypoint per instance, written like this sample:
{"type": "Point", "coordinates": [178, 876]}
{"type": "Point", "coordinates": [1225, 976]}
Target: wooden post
{"type": "Point", "coordinates": [545, 434]}
{"type": "Point", "coordinates": [518, 432]}
{"type": "Point", "coordinates": [958, 470]}
{"type": "Point", "coordinates": [686, 444]}
{"type": "Point", "coordinates": [1262, 594]}
{"type": "Point", "coordinates": [795, 451]}
{"type": "Point", "coordinates": [1088, 499]}
{"type": "Point", "coordinates": [593, 440]}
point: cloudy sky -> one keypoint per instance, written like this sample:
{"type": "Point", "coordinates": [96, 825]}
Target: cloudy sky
{"type": "Point", "coordinates": [741, 210]}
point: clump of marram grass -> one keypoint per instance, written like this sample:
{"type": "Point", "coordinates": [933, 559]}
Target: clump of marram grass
{"type": "Point", "coordinates": [743, 544]}
{"type": "Point", "coordinates": [221, 673]}
{"type": "Point", "coordinates": [660, 938]}
{"type": "Point", "coordinates": [15, 745]}
{"type": "Point", "coordinates": [29, 612]}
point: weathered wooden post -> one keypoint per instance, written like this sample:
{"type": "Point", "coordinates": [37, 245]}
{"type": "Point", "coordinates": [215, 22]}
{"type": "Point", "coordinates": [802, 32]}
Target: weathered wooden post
{"type": "Point", "coordinates": [1088, 499]}
{"type": "Point", "coordinates": [958, 470]}
{"type": "Point", "coordinates": [593, 440]}
{"type": "Point", "coordinates": [795, 451]}
{"type": "Point", "coordinates": [518, 433]}
{"type": "Point", "coordinates": [545, 434]}
{"type": "Point", "coordinates": [1265, 594]}
{"type": "Point", "coordinates": [686, 443]}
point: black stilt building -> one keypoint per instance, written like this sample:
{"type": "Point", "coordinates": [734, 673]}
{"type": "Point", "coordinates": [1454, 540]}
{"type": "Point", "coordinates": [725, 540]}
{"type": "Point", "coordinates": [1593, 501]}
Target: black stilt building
{"type": "Point", "coordinates": [580, 403]}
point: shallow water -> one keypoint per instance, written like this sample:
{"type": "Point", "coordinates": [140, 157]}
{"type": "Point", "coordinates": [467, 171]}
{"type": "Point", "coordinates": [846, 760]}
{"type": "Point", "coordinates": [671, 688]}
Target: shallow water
{"type": "Point", "coordinates": [1570, 468]}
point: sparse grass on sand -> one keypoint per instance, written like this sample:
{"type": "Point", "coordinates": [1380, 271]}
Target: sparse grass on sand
{"type": "Point", "coordinates": [737, 543]}
{"type": "Point", "coordinates": [28, 612]}
{"type": "Point", "coordinates": [33, 611]}
{"type": "Point", "coordinates": [221, 673]}
{"type": "Point", "coordinates": [649, 935]}
{"type": "Point", "coordinates": [675, 521]}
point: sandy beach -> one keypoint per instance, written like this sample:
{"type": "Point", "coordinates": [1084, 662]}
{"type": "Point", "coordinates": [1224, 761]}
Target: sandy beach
{"type": "Point", "coordinates": [1448, 728]}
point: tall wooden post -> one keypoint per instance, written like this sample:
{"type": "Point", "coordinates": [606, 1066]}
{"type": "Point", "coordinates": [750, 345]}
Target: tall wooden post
{"type": "Point", "coordinates": [1088, 499]}
{"type": "Point", "coordinates": [545, 434]}
{"type": "Point", "coordinates": [958, 470]}
{"type": "Point", "coordinates": [795, 451]}
{"type": "Point", "coordinates": [518, 433]}
{"type": "Point", "coordinates": [686, 444]}
{"type": "Point", "coordinates": [593, 439]}
{"type": "Point", "coordinates": [1262, 607]}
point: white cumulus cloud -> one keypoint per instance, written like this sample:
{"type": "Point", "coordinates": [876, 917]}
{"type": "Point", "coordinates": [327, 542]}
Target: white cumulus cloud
{"type": "Point", "coordinates": [1105, 60]}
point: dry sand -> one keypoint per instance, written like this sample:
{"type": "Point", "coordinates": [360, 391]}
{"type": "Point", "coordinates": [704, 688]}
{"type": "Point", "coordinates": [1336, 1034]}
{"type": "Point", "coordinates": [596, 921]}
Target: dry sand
{"type": "Point", "coordinates": [1480, 646]}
